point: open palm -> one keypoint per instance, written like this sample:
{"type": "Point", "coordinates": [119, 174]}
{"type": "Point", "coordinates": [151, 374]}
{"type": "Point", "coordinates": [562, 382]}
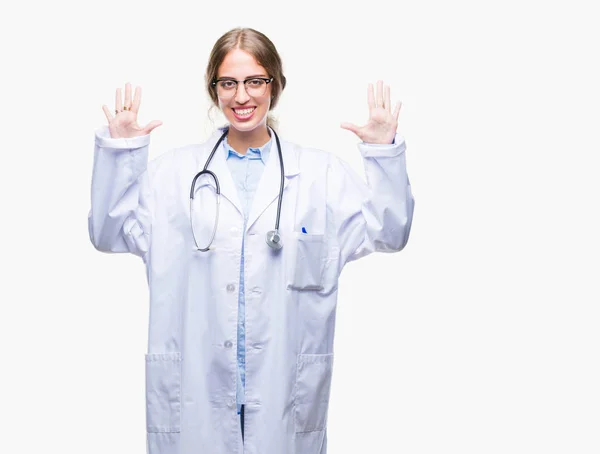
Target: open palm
{"type": "Point", "coordinates": [382, 124]}
{"type": "Point", "coordinates": [124, 122]}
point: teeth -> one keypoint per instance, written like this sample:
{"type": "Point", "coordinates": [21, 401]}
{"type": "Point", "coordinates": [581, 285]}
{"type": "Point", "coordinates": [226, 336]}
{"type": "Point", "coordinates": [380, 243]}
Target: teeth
{"type": "Point", "coordinates": [244, 111]}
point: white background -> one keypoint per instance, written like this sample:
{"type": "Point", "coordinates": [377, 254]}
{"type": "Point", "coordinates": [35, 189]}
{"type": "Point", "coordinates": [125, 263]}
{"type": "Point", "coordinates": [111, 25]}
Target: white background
{"type": "Point", "coordinates": [481, 336]}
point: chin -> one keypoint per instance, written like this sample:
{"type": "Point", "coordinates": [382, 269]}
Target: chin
{"type": "Point", "coordinates": [243, 126]}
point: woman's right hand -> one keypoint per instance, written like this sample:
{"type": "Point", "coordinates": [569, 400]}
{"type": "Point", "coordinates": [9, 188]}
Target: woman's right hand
{"type": "Point", "coordinates": [124, 123]}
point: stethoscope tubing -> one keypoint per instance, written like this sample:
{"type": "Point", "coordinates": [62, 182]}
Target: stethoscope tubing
{"type": "Point", "coordinates": [271, 234]}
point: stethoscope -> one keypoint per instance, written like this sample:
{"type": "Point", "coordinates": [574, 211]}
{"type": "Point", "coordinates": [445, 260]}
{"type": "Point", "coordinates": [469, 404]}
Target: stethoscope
{"type": "Point", "coordinates": [273, 238]}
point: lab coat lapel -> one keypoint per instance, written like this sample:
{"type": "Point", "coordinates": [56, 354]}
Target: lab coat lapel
{"type": "Point", "coordinates": [270, 181]}
{"type": "Point", "coordinates": [218, 165]}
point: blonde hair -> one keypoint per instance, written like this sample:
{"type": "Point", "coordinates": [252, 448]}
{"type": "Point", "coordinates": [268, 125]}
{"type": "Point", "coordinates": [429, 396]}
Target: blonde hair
{"type": "Point", "coordinates": [263, 51]}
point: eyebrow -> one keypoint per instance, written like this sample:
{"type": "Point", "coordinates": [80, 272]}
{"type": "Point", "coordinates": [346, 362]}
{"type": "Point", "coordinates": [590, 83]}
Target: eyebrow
{"type": "Point", "coordinates": [247, 77]}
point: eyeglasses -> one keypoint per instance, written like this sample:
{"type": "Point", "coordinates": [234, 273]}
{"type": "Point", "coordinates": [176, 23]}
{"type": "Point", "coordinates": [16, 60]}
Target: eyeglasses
{"type": "Point", "coordinates": [255, 86]}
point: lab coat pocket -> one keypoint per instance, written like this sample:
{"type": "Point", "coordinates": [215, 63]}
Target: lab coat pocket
{"type": "Point", "coordinates": [163, 392]}
{"type": "Point", "coordinates": [313, 385]}
{"type": "Point", "coordinates": [306, 269]}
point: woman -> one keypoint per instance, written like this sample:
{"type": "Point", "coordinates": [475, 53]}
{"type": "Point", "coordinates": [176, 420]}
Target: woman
{"type": "Point", "coordinates": [240, 341]}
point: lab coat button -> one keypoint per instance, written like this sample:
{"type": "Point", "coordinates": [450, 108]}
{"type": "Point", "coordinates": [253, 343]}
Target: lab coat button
{"type": "Point", "coordinates": [230, 287]}
{"type": "Point", "coordinates": [228, 344]}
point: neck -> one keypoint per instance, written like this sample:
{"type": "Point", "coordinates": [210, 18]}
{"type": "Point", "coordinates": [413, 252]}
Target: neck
{"type": "Point", "coordinates": [242, 140]}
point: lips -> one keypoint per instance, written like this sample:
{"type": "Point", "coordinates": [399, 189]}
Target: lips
{"type": "Point", "coordinates": [246, 116]}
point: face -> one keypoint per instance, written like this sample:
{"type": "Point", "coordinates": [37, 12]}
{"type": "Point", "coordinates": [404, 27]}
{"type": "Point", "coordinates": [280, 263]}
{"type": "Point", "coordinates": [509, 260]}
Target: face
{"type": "Point", "coordinates": [240, 65]}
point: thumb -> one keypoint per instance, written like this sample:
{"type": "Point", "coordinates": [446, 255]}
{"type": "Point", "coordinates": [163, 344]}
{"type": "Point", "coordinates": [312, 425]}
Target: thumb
{"type": "Point", "coordinates": [350, 127]}
{"type": "Point", "coordinates": [153, 124]}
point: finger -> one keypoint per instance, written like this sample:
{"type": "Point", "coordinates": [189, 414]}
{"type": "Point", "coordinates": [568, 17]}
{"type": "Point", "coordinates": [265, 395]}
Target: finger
{"type": "Point", "coordinates": [379, 98]}
{"type": "Point", "coordinates": [109, 116]}
{"type": "Point", "coordinates": [137, 99]}
{"type": "Point", "coordinates": [397, 110]}
{"type": "Point", "coordinates": [350, 127]}
{"type": "Point", "coordinates": [118, 101]}
{"type": "Point", "coordinates": [153, 124]}
{"type": "Point", "coordinates": [386, 98]}
{"type": "Point", "coordinates": [370, 97]}
{"type": "Point", "coordinates": [127, 95]}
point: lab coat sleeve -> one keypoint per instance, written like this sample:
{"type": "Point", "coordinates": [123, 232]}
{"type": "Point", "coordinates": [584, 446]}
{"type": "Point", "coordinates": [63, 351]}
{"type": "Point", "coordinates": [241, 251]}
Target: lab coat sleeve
{"type": "Point", "coordinates": [121, 201]}
{"type": "Point", "coordinates": [375, 216]}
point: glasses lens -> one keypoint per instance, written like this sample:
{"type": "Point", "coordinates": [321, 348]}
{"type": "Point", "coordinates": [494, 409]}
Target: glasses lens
{"type": "Point", "coordinates": [226, 88]}
{"type": "Point", "coordinates": [256, 87]}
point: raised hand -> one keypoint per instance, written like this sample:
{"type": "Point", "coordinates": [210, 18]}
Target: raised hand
{"type": "Point", "coordinates": [124, 123]}
{"type": "Point", "coordinates": [382, 124]}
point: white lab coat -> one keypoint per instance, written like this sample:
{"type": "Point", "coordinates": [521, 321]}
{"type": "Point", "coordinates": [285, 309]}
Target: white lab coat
{"type": "Point", "coordinates": [191, 368]}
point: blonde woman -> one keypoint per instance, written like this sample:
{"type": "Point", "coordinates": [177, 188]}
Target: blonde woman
{"type": "Point", "coordinates": [244, 238]}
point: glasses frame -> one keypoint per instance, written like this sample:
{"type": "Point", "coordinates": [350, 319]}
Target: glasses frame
{"type": "Point", "coordinates": [267, 80]}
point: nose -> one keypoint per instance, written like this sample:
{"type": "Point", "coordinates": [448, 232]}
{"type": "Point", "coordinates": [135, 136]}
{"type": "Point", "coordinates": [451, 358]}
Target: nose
{"type": "Point", "coordinates": [241, 96]}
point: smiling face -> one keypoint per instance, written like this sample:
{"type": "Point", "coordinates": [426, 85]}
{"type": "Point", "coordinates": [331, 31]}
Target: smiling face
{"type": "Point", "coordinates": [241, 65]}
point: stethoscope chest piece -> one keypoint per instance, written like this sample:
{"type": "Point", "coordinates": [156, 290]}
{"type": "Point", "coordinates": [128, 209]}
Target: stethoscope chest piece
{"type": "Point", "coordinates": [274, 239]}
{"type": "Point", "coordinates": [273, 236]}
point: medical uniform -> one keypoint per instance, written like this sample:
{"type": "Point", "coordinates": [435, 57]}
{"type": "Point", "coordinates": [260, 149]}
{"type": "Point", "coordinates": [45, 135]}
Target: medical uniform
{"type": "Point", "coordinates": [246, 170]}
{"type": "Point", "coordinates": [290, 295]}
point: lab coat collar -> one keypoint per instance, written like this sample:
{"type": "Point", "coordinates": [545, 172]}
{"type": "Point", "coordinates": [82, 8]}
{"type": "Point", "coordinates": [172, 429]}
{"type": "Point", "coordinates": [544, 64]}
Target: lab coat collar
{"type": "Point", "coordinates": [267, 191]}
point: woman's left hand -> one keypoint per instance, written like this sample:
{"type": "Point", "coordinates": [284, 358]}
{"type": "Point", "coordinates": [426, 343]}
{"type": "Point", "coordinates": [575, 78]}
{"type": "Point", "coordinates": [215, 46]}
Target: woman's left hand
{"type": "Point", "coordinates": [382, 124]}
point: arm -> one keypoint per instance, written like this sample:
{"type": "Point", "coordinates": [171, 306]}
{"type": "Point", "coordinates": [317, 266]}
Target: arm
{"type": "Point", "coordinates": [372, 216]}
{"type": "Point", "coordinates": [120, 218]}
